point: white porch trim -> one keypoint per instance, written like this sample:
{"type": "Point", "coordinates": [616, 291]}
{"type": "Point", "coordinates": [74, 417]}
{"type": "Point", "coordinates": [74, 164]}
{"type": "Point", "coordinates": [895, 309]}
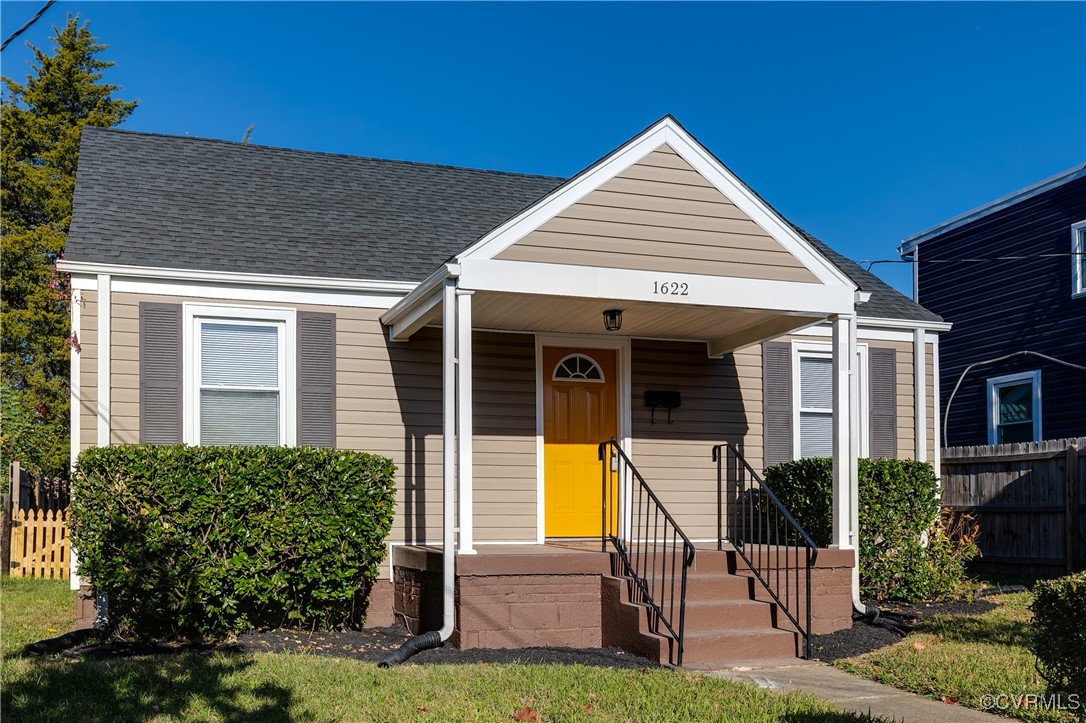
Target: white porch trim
{"type": "Point", "coordinates": [525, 277]}
{"type": "Point", "coordinates": [104, 353]}
{"type": "Point", "coordinates": [920, 394]}
{"type": "Point", "coordinates": [75, 413]}
{"type": "Point", "coordinates": [845, 432]}
{"type": "Point", "coordinates": [464, 411]}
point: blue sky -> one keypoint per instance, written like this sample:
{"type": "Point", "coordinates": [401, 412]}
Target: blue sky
{"type": "Point", "coordinates": [862, 122]}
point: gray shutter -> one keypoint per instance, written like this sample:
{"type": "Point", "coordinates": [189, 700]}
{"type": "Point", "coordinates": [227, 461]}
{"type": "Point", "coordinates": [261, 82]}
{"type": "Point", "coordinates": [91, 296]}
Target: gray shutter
{"type": "Point", "coordinates": [883, 383]}
{"type": "Point", "coordinates": [316, 379]}
{"type": "Point", "coordinates": [777, 401]}
{"type": "Point", "coordinates": [160, 373]}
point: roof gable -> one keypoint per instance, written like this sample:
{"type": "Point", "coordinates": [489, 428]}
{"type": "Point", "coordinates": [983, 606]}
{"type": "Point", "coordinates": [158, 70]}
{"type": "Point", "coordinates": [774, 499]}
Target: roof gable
{"type": "Point", "coordinates": [641, 164]}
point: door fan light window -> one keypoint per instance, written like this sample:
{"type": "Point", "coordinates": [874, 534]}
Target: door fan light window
{"type": "Point", "coordinates": [240, 393]}
{"type": "Point", "coordinates": [577, 368]}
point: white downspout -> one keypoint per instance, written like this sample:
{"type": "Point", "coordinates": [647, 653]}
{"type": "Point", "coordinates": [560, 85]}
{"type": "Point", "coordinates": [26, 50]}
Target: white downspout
{"type": "Point", "coordinates": [853, 454]}
{"type": "Point", "coordinates": [448, 458]}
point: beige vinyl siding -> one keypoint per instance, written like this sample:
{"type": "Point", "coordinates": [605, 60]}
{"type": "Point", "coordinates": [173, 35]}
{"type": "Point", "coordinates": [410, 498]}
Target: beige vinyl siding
{"type": "Point", "coordinates": [88, 370]}
{"type": "Point", "coordinates": [389, 403]}
{"type": "Point", "coordinates": [721, 401]}
{"type": "Point", "coordinates": [660, 215]}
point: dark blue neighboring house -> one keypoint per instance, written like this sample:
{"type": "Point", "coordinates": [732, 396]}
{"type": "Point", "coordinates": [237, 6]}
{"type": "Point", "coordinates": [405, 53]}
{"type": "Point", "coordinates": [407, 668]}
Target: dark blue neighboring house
{"type": "Point", "coordinates": [1011, 277]}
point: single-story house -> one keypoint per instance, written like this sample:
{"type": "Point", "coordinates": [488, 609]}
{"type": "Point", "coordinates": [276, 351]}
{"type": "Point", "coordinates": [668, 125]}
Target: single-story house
{"type": "Point", "coordinates": [488, 331]}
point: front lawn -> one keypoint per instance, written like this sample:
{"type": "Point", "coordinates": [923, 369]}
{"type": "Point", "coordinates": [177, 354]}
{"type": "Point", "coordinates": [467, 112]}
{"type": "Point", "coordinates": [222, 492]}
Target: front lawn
{"type": "Point", "coordinates": [968, 658]}
{"type": "Point", "coordinates": [282, 687]}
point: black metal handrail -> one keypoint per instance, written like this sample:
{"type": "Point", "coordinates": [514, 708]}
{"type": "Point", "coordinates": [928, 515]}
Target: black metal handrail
{"type": "Point", "coordinates": [655, 553]}
{"type": "Point", "coordinates": [767, 537]}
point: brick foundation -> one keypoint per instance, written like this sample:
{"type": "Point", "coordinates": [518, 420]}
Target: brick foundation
{"type": "Point", "coordinates": [831, 590]}
{"type": "Point", "coordinates": [86, 608]}
{"type": "Point", "coordinates": [379, 612]}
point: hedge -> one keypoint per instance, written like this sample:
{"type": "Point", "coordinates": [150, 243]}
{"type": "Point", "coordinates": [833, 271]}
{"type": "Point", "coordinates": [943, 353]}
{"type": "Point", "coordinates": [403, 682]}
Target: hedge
{"type": "Point", "coordinates": [1058, 633]}
{"type": "Point", "coordinates": [203, 542]}
{"type": "Point", "coordinates": [908, 551]}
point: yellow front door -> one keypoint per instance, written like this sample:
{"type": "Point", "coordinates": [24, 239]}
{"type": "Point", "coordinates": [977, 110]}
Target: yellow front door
{"type": "Point", "coordinates": [579, 412]}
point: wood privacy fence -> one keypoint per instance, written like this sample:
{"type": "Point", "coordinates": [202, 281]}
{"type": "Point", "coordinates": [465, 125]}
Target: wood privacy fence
{"type": "Point", "coordinates": [1029, 500]}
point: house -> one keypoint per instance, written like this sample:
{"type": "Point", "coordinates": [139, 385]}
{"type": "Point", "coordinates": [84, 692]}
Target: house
{"type": "Point", "coordinates": [1011, 276]}
{"type": "Point", "coordinates": [488, 331]}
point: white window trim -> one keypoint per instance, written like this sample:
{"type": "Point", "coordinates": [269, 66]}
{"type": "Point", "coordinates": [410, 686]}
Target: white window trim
{"type": "Point", "coordinates": [194, 314]}
{"type": "Point", "coordinates": [997, 383]}
{"type": "Point", "coordinates": [814, 349]}
{"type": "Point", "coordinates": [567, 357]}
{"type": "Point", "coordinates": [1078, 271]}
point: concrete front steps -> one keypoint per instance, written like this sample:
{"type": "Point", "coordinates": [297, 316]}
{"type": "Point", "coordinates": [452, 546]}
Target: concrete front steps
{"type": "Point", "coordinates": [725, 620]}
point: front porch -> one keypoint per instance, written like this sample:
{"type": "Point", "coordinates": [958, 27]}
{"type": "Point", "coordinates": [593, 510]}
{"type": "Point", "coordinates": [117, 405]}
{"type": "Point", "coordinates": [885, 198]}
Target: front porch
{"type": "Point", "coordinates": [570, 594]}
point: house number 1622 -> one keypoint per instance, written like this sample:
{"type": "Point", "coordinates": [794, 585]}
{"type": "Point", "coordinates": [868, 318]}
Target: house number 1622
{"type": "Point", "coordinates": [670, 288]}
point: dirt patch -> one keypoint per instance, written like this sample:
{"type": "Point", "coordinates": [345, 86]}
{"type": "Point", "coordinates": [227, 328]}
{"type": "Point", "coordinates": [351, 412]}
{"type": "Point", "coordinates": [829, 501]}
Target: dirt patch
{"type": "Point", "coordinates": [371, 644]}
{"type": "Point", "coordinates": [894, 622]}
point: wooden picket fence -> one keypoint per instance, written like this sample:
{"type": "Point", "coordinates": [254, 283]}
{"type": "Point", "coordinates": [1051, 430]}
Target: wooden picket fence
{"type": "Point", "coordinates": [39, 543]}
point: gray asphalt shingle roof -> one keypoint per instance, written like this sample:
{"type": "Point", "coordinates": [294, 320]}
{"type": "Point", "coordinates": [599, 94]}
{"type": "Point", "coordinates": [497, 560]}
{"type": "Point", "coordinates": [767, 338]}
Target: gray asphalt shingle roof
{"type": "Point", "coordinates": [145, 199]}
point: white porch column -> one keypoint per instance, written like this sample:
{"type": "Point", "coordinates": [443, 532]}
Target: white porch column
{"type": "Point", "coordinates": [105, 314]}
{"type": "Point", "coordinates": [448, 413]}
{"type": "Point", "coordinates": [465, 431]}
{"type": "Point", "coordinates": [920, 394]}
{"type": "Point", "coordinates": [844, 458]}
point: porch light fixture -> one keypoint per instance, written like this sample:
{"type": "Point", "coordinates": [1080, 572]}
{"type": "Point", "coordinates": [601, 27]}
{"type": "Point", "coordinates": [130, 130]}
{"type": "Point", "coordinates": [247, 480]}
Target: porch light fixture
{"type": "Point", "coordinates": [612, 319]}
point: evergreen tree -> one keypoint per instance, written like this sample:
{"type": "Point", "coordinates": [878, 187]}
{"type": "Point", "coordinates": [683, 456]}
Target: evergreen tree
{"type": "Point", "coordinates": [40, 125]}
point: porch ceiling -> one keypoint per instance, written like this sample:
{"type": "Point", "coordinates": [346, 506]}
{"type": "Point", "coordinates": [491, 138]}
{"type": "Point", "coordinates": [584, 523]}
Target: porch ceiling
{"type": "Point", "coordinates": [724, 328]}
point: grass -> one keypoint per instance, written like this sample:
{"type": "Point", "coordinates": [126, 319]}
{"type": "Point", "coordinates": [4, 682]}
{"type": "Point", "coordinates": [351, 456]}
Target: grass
{"type": "Point", "coordinates": [293, 687]}
{"type": "Point", "coordinates": [966, 658]}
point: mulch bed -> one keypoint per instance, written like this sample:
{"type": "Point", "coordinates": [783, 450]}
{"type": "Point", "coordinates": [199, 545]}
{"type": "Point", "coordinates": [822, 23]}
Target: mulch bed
{"type": "Point", "coordinates": [371, 644]}
{"type": "Point", "coordinates": [894, 621]}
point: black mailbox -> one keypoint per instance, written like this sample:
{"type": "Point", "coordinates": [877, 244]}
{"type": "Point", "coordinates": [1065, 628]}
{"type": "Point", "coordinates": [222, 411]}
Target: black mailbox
{"type": "Point", "coordinates": [663, 400]}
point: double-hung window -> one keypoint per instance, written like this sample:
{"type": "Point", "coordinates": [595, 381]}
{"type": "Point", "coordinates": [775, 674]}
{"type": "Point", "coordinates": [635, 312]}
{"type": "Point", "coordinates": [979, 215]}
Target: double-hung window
{"type": "Point", "coordinates": [1078, 259]}
{"type": "Point", "coordinates": [1014, 408]}
{"type": "Point", "coordinates": [812, 402]}
{"type": "Point", "coordinates": [238, 379]}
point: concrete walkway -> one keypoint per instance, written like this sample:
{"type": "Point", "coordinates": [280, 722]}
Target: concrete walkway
{"type": "Point", "coordinates": [850, 692]}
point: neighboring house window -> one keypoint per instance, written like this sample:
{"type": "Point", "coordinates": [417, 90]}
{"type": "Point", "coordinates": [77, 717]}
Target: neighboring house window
{"type": "Point", "coordinates": [812, 390]}
{"type": "Point", "coordinates": [1014, 408]}
{"type": "Point", "coordinates": [239, 377]}
{"type": "Point", "coordinates": [1078, 259]}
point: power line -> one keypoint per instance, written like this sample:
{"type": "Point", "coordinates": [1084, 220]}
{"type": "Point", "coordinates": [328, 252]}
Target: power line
{"type": "Point", "coordinates": [29, 22]}
{"type": "Point", "coordinates": [1025, 352]}
{"type": "Point", "coordinates": [1023, 257]}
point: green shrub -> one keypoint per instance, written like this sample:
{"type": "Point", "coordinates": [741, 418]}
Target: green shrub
{"type": "Point", "coordinates": [1059, 633]}
{"type": "Point", "coordinates": [202, 542]}
{"type": "Point", "coordinates": [899, 503]}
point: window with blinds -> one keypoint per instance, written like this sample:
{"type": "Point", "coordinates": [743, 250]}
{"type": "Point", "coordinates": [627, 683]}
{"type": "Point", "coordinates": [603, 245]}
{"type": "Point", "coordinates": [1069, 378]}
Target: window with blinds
{"type": "Point", "coordinates": [815, 406]}
{"type": "Point", "coordinates": [240, 394]}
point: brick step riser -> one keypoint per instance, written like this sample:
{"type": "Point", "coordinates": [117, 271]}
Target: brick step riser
{"type": "Point", "coordinates": [729, 617]}
{"type": "Point", "coordinates": [739, 647]}
{"type": "Point", "coordinates": [722, 587]}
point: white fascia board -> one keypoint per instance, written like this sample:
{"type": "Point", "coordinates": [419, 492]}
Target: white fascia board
{"type": "Point", "coordinates": [738, 193]}
{"type": "Point", "coordinates": [418, 316]}
{"type": "Point", "coordinates": [241, 292]}
{"type": "Point", "coordinates": [870, 334]}
{"type": "Point", "coordinates": [567, 194]}
{"type": "Point", "coordinates": [120, 271]}
{"type": "Point", "coordinates": [909, 244]}
{"type": "Point", "coordinates": [667, 131]}
{"type": "Point", "coordinates": [874, 322]}
{"type": "Point", "coordinates": [591, 282]}
{"type": "Point", "coordinates": [421, 293]}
